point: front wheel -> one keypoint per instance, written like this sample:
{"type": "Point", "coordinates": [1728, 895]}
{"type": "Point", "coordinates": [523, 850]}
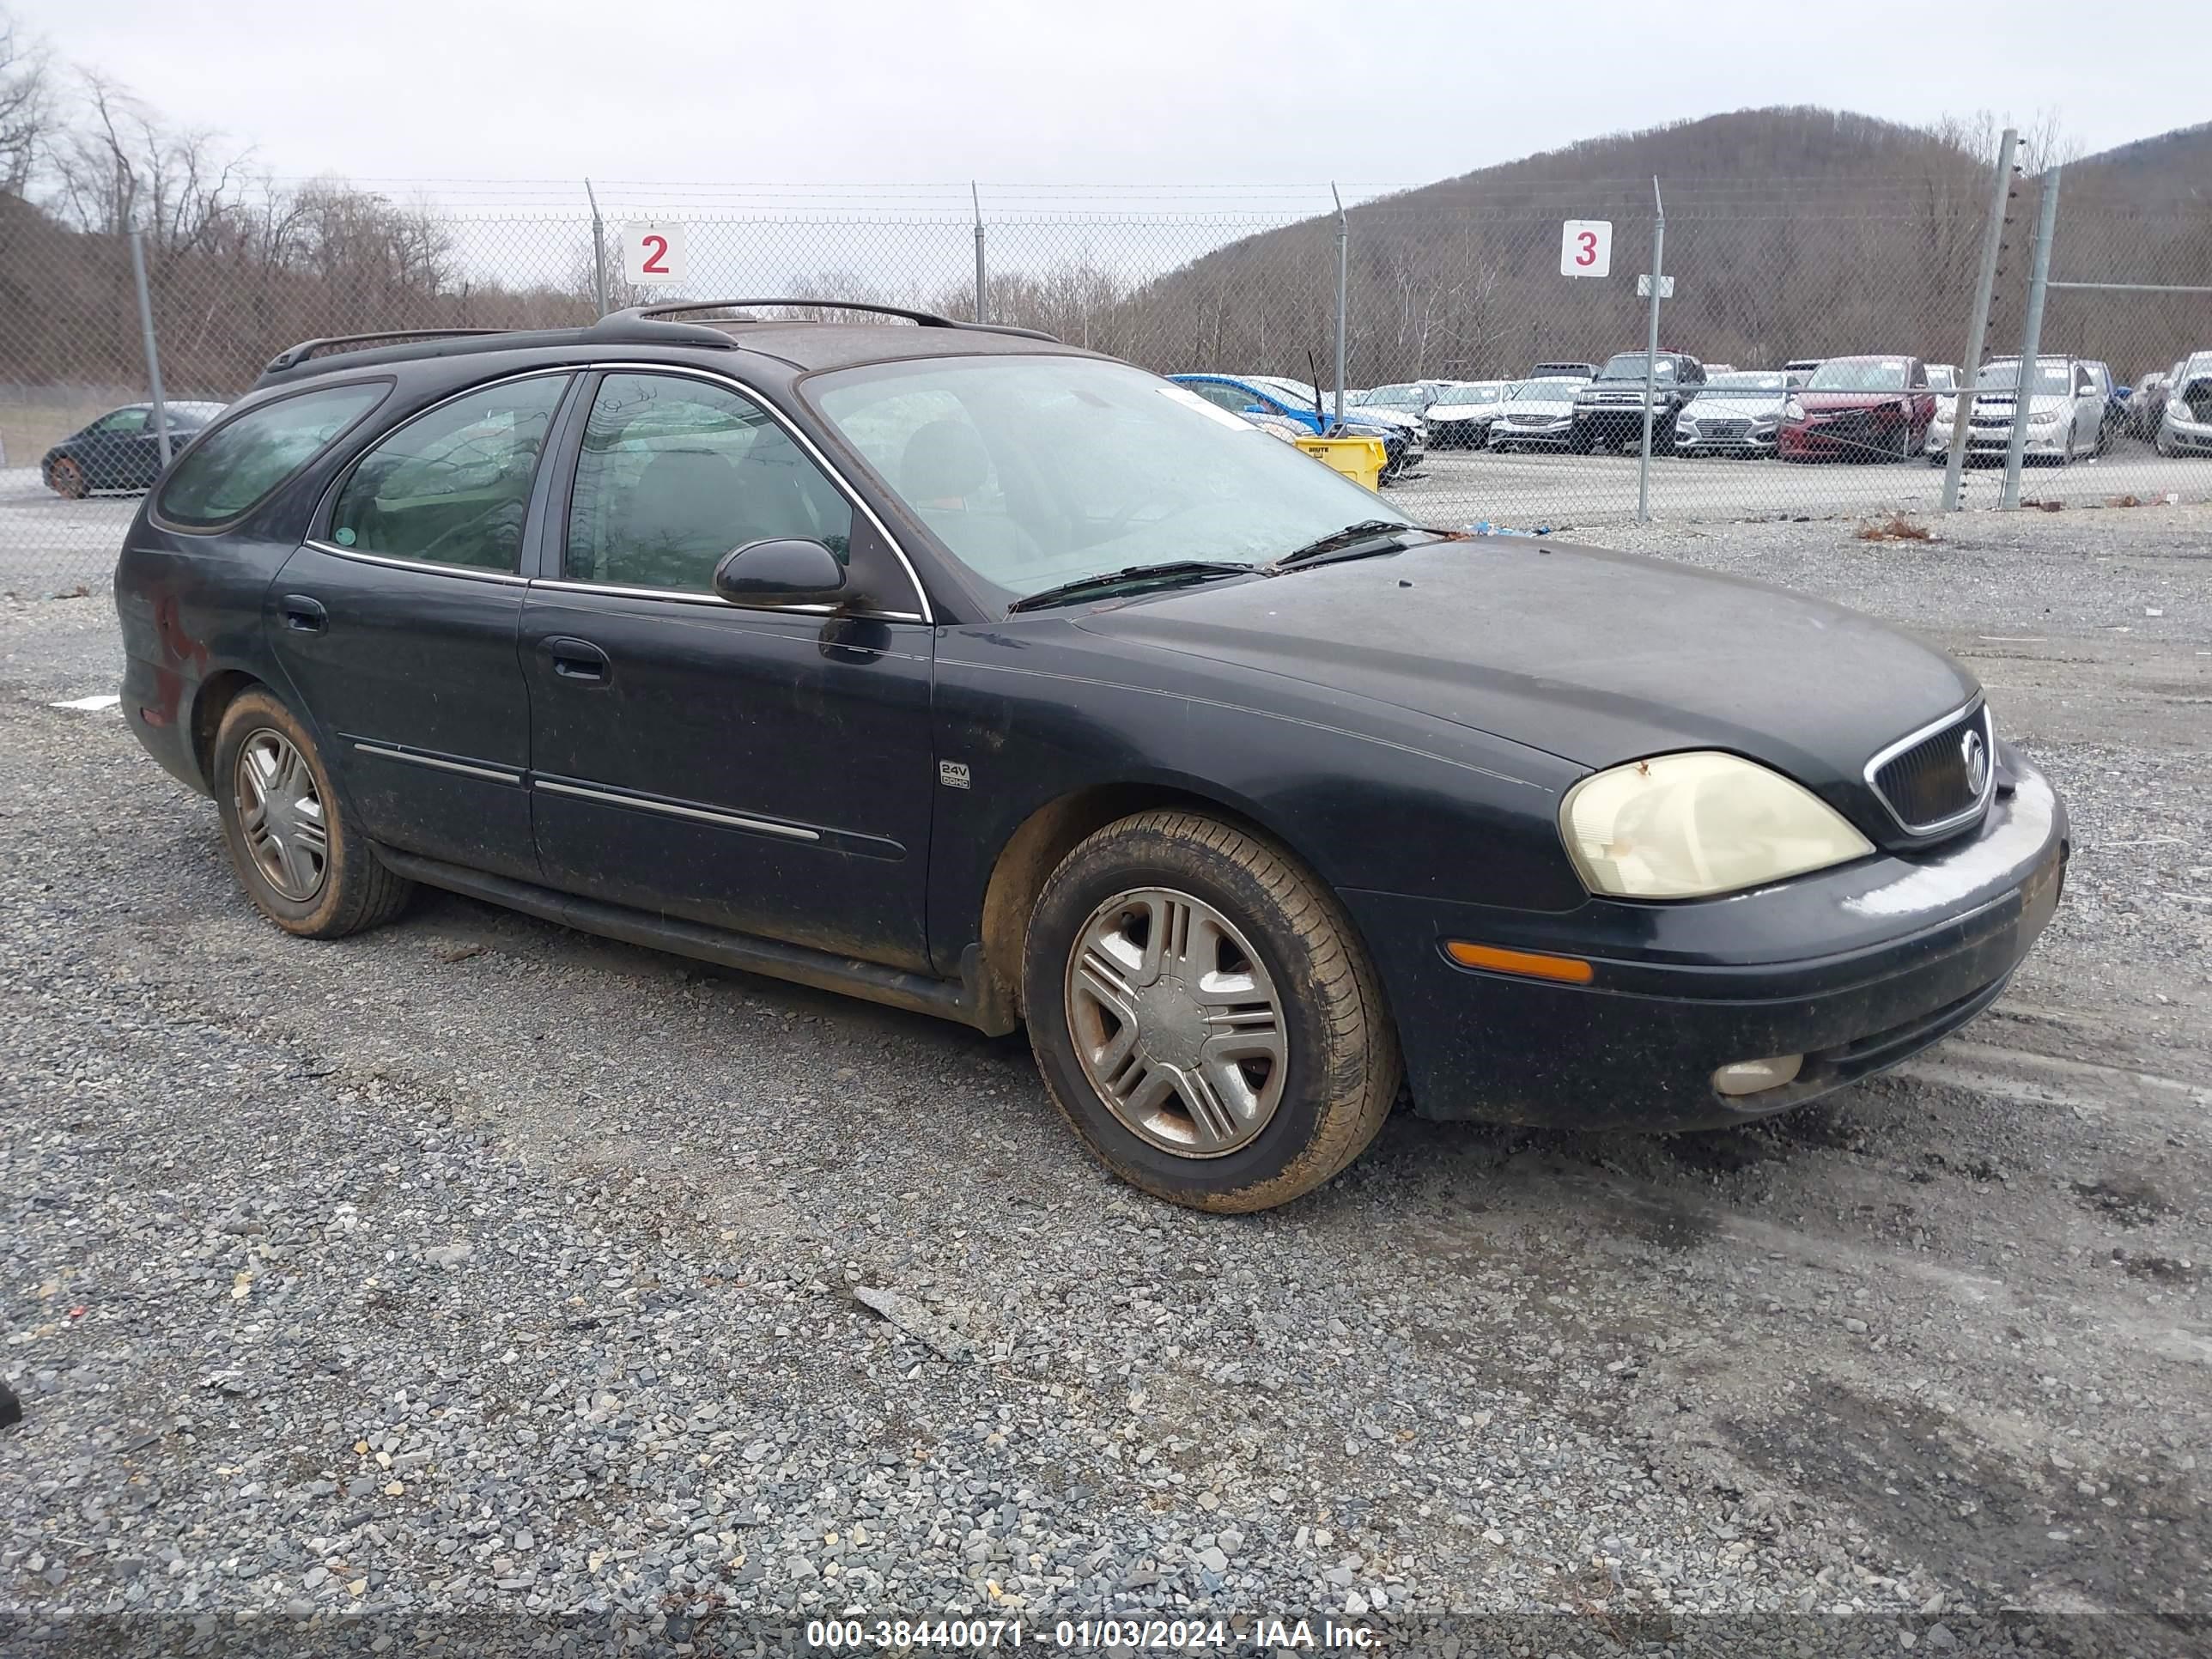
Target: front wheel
{"type": "Point", "coordinates": [67, 479]}
{"type": "Point", "coordinates": [1204, 1015]}
{"type": "Point", "coordinates": [1581, 440]}
{"type": "Point", "coordinates": [296, 854]}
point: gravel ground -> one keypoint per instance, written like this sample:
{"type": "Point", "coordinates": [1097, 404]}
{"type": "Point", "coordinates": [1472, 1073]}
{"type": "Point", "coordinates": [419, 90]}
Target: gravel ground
{"type": "Point", "coordinates": [473, 1267]}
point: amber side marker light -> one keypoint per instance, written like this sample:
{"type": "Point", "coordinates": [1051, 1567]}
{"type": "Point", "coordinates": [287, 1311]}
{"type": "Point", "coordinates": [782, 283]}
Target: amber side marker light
{"type": "Point", "coordinates": [1534, 964]}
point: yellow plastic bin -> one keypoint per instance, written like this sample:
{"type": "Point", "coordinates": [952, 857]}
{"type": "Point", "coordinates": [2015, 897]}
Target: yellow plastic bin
{"type": "Point", "coordinates": [1360, 459]}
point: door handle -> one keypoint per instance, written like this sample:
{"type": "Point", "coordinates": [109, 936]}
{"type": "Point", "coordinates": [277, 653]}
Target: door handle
{"type": "Point", "coordinates": [303, 615]}
{"type": "Point", "coordinates": [579, 660]}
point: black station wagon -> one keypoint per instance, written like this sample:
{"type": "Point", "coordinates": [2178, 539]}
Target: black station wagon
{"type": "Point", "coordinates": [979, 675]}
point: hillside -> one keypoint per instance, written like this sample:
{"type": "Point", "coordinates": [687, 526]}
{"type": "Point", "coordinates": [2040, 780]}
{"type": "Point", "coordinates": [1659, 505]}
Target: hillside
{"type": "Point", "coordinates": [1789, 232]}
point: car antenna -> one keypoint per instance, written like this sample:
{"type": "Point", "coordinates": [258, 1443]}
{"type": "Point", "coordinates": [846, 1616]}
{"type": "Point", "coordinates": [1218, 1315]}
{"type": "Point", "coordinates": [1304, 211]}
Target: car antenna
{"type": "Point", "coordinates": [1320, 414]}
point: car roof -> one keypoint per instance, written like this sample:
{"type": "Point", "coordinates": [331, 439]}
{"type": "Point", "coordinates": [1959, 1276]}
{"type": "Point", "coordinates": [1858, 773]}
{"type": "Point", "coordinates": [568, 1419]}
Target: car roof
{"type": "Point", "coordinates": [804, 345]}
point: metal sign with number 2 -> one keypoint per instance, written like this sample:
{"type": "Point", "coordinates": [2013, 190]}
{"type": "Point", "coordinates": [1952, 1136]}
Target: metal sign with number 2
{"type": "Point", "coordinates": [654, 253]}
{"type": "Point", "coordinates": [1586, 248]}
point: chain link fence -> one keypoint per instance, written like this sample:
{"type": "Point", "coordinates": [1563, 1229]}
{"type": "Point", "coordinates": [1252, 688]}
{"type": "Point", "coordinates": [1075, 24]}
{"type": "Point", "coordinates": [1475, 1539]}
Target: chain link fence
{"type": "Point", "coordinates": [1809, 329]}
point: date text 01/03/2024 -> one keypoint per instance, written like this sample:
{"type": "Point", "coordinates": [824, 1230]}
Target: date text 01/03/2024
{"type": "Point", "coordinates": [1086, 1635]}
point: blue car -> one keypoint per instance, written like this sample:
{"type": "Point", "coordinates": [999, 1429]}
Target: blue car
{"type": "Point", "coordinates": [1242, 395]}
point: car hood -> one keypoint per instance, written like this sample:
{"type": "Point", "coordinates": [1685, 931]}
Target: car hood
{"type": "Point", "coordinates": [1386, 416]}
{"type": "Point", "coordinates": [1445, 409]}
{"type": "Point", "coordinates": [1594, 656]}
{"type": "Point", "coordinates": [2002, 403]}
{"type": "Point", "coordinates": [1548, 407]}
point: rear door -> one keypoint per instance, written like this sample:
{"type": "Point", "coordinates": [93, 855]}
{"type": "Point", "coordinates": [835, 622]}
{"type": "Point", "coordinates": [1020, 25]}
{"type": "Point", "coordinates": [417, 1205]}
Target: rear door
{"type": "Point", "coordinates": [764, 769]}
{"type": "Point", "coordinates": [397, 620]}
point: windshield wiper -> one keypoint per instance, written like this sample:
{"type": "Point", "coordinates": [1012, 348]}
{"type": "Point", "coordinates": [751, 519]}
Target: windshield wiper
{"type": "Point", "coordinates": [1172, 571]}
{"type": "Point", "coordinates": [1366, 530]}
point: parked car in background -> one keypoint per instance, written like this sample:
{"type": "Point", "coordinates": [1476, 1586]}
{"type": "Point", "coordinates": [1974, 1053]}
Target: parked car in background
{"type": "Point", "coordinates": [1245, 395]}
{"type": "Point", "coordinates": [1609, 409]}
{"type": "Point", "coordinates": [1404, 397]}
{"type": "Point", "coordinates": [121, 450]}
{"type": "Point", "coordinates": [2146, 404]}
{"type": "Point", "coordinates": [1414, 429]}
{"type": "Point", "coordinates": [2065, 413]}
{"type": "Point", "coordinates": [1464, 414]}
{"type": "Point", "coordinates": [1539, 415]}
{"type": "Point", "coordinates": [1858, 409]}
{"type": "Point", "coordinates": [2184, 425]}
{"type": "Point", "coordinates": [1800, 369]}
{"type": "Point", "coordinates": [1736, 412]}
{"type": "Point", "coordinates": [1553, 371]}
{"type": "Point", "coordinates": [993, 679]}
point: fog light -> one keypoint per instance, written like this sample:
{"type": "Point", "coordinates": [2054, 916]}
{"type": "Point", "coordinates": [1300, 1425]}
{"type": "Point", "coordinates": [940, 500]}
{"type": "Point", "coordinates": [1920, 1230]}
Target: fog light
{"type": "Point", "coordinates": [1751, 1077]}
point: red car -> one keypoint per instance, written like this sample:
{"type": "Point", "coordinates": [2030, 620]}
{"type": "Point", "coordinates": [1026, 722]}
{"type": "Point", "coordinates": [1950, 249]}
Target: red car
{"type": "Point", "coordinates": [1858, 409]}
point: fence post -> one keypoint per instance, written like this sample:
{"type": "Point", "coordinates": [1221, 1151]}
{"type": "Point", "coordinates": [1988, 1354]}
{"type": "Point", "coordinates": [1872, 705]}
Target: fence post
{"type": "Point", "coordinates": [599, 252]}
{"type": "Point", "coordinates": [1651, 354]}
{"type": "Point", "coordinates": [153, 355]}
{"type": "Point", "coordinates": [2031, 339]}
{"type": "Point", "coordinates": [982, 281]}
{"type": "Point", "coordinates": [1343, 292]}
{"type": "Point", "coordinates": [1970, 367]}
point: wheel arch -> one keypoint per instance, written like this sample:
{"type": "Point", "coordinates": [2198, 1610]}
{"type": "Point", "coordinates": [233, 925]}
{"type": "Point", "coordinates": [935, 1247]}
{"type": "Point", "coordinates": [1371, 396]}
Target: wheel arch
{"type": "Point", "coordinates": [210, 704]}
{"type": "Point", "coordinates": [1052, 830]}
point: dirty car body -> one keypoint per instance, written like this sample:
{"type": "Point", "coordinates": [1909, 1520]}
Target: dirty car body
{"type": "Point", "coordinates": [868, 788]}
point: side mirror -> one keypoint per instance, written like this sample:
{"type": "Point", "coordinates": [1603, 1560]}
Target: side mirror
{"type": "Point", "coordinates": [784, 571]}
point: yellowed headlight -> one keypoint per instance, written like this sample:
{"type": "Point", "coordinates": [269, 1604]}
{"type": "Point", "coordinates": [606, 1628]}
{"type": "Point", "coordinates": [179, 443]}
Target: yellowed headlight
{"type": "Point", "coordinates": [1693, 825]}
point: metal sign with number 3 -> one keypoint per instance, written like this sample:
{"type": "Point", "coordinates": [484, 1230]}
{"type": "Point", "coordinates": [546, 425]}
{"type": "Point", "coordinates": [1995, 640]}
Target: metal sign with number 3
{"type": "Point", "coordinates": [654, 253]}
{"type": "Point", "coordinates": [1586, 248]}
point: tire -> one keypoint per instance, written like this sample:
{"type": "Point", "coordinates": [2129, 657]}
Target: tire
{"type": "Point", "coordinates": [1662, 437]}
{"type": "Point", "coordinates": [1899, 447]}
{"type": "Point", "coordinates": [65, 477]}
{"type": "Point", "coordinates": [1314, 1063]}
{"type": "Point", "coordinates": [322, 881]}
{"type": "Point", "coordinates": [1581, 440]}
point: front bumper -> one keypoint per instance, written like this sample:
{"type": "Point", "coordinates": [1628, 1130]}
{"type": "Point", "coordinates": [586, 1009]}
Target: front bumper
{"type": "Point", "coordinates": [1704, 441]}
{"type": "Point", "coordinates": [2188, 435]}
{"type": "Point", "coordinates": [1857, 440]}
{"type": "Point", "coordinates": [1504, 434]}
{"type": "Point", "coordinates": [1855, 968]}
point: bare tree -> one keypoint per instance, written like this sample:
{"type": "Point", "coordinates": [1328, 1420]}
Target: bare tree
{"type": "Point", "coordinates": [26, 106]}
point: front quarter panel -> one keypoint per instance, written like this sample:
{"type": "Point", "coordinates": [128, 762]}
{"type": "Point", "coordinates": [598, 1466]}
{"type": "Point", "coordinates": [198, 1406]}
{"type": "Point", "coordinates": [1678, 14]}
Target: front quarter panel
{"type": "Point", "coordinates": [1368, 795]}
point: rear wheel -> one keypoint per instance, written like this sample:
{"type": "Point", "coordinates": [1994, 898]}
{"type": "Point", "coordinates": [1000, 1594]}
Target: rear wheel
{"type": "Point", "coordinates": [66, 479]}
{"type": "Point", "coordinates": [1203, 1016]}
{"type": "Point", "coordinates": [299, 859]}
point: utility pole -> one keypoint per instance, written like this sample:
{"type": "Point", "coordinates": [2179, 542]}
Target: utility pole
{"type": "Point", "coordinates": [1651, 353]}
{"type": "Point", "coordinates": [982, 305]}
{"type": "Point", "coordinates": [153, 356]}
{"type": "Point", "coordinates": [599, 252]}
{"type": "Point", "coordinates": [1978, 331]}
{"type": "Point", "coordinates": [1343, 287]}
{"type": "Point", "coordinates": [2031, 339]}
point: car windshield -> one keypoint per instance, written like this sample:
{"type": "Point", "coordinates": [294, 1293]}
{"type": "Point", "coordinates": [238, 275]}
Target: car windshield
{"type": "Point", "coordinates": [1742, 384]}
{"type": "Point", "coordinates": [1859, 374]}
{"type": "Point", "coordinates": [1395, 397]}
{"type": "Point", "coordinates": [1629, 366]}
{"type": "Point", "coordinates": [193, 414]}
{"type": "Point", "coordinates": [2052, 378]}
{"type": "Point", "coordinates": [1558, 391]}
{"type": "Point", "coordinates": [1035, 472]}
{"type": "Point", "coordinates": [1479, 391]}
{"type": "Point", "coordinates": [1942, 377]}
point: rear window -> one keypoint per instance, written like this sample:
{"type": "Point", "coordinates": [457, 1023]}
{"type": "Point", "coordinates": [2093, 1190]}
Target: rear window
{"type": "Point", "coordinates": [234, 468]}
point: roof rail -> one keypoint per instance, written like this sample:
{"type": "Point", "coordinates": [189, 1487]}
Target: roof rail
{"type": "Point", "coordinates": [292, 356]}
{"type": "Point", "coordinates": [921, 318]}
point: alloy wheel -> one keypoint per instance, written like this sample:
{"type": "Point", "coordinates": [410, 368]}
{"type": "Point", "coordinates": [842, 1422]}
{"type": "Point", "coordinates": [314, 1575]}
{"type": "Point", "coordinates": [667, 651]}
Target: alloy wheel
{"type": "Point", "coordinates": [66, 479]}
{"type": "Point", "coordinates": [280, 815]}
{"type": "Point", "coordinates": [1176, 1022]}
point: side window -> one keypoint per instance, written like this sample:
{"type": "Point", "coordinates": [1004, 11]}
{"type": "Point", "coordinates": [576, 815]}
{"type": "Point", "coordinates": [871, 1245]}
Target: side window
{"type": "Point", "coordinates": [236, 467]}
{"type": "Point", "coordinates": [453, 486]}
{"type": "Point", "coordinates": [122, 423]}
{"type": "Point", "coordinates": [1225, 396]}
{"type": "Point", "coordinates": [675, 473]}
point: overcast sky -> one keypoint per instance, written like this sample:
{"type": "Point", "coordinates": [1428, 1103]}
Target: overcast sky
{"type": "Point", "coordinates": [1197, 93]}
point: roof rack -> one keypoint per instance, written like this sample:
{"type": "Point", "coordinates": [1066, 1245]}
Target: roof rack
{"type": "Point", "coordinates": [293, 356]}
{"type": "Point", "coordinates": [920, 318]}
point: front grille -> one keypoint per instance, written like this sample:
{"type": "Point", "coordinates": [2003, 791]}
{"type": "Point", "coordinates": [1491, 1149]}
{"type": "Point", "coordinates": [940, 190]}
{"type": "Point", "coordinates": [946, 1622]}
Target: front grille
{"type": "Point", "coordinates": [1931, 785]}
{"type": "Point", "coordinates": [1724, 428]}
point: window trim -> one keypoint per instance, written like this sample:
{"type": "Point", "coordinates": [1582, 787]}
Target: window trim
{"type": "Point", "coordinates": [557, 537]}
{"type": "Point", "coordinates": [319, 527]}
{"type": "Point", "coordinates": [155, 515]}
